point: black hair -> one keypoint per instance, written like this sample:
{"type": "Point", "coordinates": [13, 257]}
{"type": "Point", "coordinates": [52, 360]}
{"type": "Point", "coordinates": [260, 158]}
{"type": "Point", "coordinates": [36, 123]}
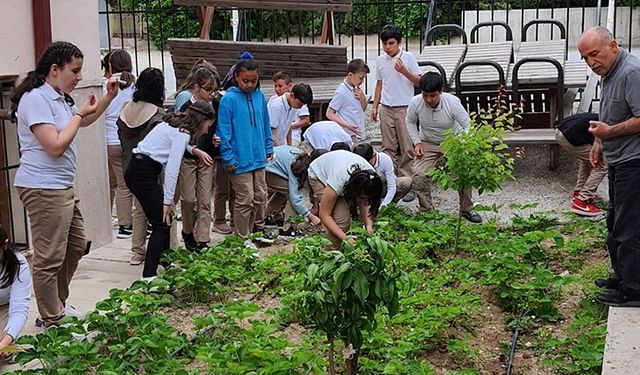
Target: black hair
{"type": "Point", "coordinates": [192, 118]}
{"type": "Point", "coordinates": [363, 183]}
{"type": "Point", "coordinates": [300, 167]}
{"type": "Point", "coordinates": [57, 53]}
{"type": "Point", "coordinates": [431, 82]}
{"type": "Point", "coordinates": [281, 76]}
{"type": "Point", "coordinates": [245, 65]}
{"type": "Point", "coordinates": [105, 61]}
{"type": "Point", "coordinates": [9, 263]}
{"type": "Point", "coordinates": [340, 146]}
{"type": "Point", "coordinates": [365, 150]}
{"type": "Point", "coordinates": [390, 31]}
{"type": "Point", "coordinates": [150, 87]}
{"type": "Point", "coordinates": [120, 62]}
{"type": "Point", "coordinates": [302, 92]}
{"type": "Point", "coordinates": [357, 66]}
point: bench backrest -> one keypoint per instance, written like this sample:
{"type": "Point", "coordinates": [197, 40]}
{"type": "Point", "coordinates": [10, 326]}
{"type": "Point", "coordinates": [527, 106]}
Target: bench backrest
{"type": "Point", "coordinates": [310, 5]}
{"type": "Point", "coordinates": [299, 60]}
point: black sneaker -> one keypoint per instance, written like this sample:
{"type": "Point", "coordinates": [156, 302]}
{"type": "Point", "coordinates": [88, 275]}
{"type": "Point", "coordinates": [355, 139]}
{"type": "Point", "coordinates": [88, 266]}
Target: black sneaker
{"type": "Point", "coordinates": [290, 232]}
{"type": "Point", "coordinates": [472, 216]}
{"type": "Point", "coordinates": [189, 242]}
{"type": "Point", "coordinates": [270, 221]}
{"type": "Point", "coordinates": [609, 283]}
{"type": "Point", "coordinates": [124, 231]}
{"type": "Point", "coordinates": [409, 197]}
{"type": "Point", "coordinates": [200, 246]}
{"type": "Point", "coordinates": [618, 298]}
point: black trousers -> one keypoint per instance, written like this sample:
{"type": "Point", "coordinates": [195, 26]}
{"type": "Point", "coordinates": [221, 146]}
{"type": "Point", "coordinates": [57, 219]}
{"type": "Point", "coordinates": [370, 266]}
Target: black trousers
{"type": "Point", "coordinates": [142, 178]}
{"type": "Point", "coordinates": [623, 223]}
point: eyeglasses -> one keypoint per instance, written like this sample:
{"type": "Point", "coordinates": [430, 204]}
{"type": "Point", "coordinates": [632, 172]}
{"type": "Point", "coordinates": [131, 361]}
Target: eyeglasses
{"type": "Point", "coordinates": [210, 91]}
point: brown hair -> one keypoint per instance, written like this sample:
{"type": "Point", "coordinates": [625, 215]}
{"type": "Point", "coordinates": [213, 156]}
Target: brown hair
{"type": "Point", "coordinates": [191, 80]}
{"type": "Point", "coordinates": [191, 119]}
{"type": "Point", "coordinates": [300, 165]}
{"type": "Point", "coordinates": [120, 62]}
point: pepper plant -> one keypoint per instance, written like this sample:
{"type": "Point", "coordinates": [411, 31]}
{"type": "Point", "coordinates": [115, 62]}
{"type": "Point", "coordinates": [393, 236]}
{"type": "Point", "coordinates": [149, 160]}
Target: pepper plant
{"type": "Point", "coordinates": [341, 295]}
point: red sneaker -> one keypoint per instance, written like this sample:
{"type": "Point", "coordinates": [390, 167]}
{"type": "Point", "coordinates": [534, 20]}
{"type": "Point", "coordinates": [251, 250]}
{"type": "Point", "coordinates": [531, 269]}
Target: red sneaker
{"type": "Point", "coordinates": [576, 193]}
{"type": "Point", "coordinates": [584, 208]}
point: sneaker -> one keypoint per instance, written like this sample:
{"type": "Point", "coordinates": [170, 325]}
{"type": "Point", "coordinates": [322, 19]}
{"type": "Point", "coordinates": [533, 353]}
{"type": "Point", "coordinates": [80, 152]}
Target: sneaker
{"type": "Point", "coordinates": [221, 228]}
{"type": "Point", "coordinates": [270, 221]}
{"type": "Point", "coordinates": [124, 231]}
{"type": "Point", "coordinates": [200, 246]}
{"type": "Point", "coordinates": [409, 197]}
{"type": "Point", "coordinates": [254, 249]}
{"type": "Point", "coordinates": [290, 232]}
{"type": "Point", "coordinates": [576, 193]}
{"type": "Point", "coordinates": [584, 208]}
{"type": "Point", "coordinates": [189, 241]}
{"type": "Point", "coordinates": [618, 298]}
{"type": "Point", "coordinates": [148, 279]}
{"type": "Point", "coordinates": [72, 312]}
{"type": "Point", "coordinates": [136, 259]}
{"type": "Point", "coordinates": [472, 216]}
{"type": "Point", "coordinates": [609, 283]}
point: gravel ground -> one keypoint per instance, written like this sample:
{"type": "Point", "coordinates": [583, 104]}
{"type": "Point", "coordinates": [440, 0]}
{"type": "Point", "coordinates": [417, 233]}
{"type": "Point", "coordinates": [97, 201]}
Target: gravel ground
{"type": "Point", "coordinates": [534, 183]}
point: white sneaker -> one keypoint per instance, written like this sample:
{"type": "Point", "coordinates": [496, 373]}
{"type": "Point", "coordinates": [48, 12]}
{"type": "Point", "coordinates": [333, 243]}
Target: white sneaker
{"type": "Point", "coordinates": [250, 245]}
{"type": "Point", "coordinates": [148, 279]}
{"type": "Point", "coordinates": [72, 312]}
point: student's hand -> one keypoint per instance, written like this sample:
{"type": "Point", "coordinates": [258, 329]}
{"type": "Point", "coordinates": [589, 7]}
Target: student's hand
{"type": "Point", "coordinates": [399, 66]}
{"type": "Point", "coordinates": [596, 158]}
{"type": "Point", "coordinates": [6, 341]}
{"type": "Point", "coordinates": [203, 157]}
{"type": "Point", "coordinates": [351, 241]}
{"type": "Point", "coordinates": [314, 219]}
{"type": "Point", "coordinates": [216, 140]}
{"type": "Point", "coordinates": [270, 157]}
{"type": "Point", "coordinates": [354, 128]}
{"type": "Point", "coordinates": [369, 227]}
{"type": "Point", "coordinates": [88, 107]}
{"type": "Point", "coordinates": [167, 214]}
{"type": "Point", "coordinates": [417, 150]}
{"type": "Point", "coordinates": [358, 94]}
{"type": "Point", "coordinates": [231, 168]}
{"type": "Point", "coordinates": [374, 113]}
{"type": "Point", "coordinates": [600, 129]}
{"type": "Point", "coordinates": [112, 88]}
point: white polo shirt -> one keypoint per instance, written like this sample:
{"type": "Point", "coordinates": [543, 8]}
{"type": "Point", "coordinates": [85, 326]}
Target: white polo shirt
{"type": "Point", "coordinates": [112, 113]}
{"type": "Point", "coordinates": [296, 134]}
{"type": "Point", "coordinates": [384, 169]}
{"type": "Point", "coordinates": [450, 114]}
{"type": "Point", "coordinates": [38, 169]}
{"type": "Point", "coordinates": [323, 134]}
{"type": "Point", "coordinates": [281, 115]}
{"type": "Point", "coordinates": [348, 108]}
{"type": "Point", "coordinates": [397, 90]}
{"type": "Point", "coordinates": [335, 168]}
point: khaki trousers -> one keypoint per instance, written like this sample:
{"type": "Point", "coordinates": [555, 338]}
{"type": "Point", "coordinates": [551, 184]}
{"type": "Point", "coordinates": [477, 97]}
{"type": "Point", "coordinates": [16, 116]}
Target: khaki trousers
{"type": "Point", "coordinates": [195, 189]}
{"type": "Point", "coordinates": [589, 178]}
{"type": "Point", "coordinates": [396, 141]}
{"type": "Point", "coordinates": [422, 182]}
{"type": "Point", "coordinates": [403, 185]}
{"type": "Point", "coordinates": [251, 197]}
{"type": "Point", "coordinates": [117, 187]}
{"type": "Point", "coordinates": [222, 192]}
{"type": "Point", "coordinates": [340, 213]}
{"type": "Point", "coordinates": [278, 190]}
{"type": "Point", "coordinates": [59, 242]}
{"type": "Point", "coordinates": [139, 235]}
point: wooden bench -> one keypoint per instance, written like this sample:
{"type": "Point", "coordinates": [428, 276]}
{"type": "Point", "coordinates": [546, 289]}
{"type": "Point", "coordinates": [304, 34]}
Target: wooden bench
{"type": "Point", "coordinates": [323, 5]}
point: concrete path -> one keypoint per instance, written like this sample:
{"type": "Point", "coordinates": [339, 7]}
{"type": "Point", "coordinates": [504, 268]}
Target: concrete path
{"type": "Point", "coordinates": [622, 348]}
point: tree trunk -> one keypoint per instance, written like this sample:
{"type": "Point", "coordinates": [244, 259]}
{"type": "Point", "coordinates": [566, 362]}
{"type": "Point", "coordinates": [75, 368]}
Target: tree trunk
{"type": "Point", "coordinates": [458, 226]}
{"type": "Point", "coordinates": [332, 365]}
{"type": "Point", "coordinates": [352, 364]}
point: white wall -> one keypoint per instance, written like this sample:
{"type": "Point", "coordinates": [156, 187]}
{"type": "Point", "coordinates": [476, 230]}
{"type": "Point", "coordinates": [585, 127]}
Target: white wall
{"type": "Point", "coordinates": [75, 21]}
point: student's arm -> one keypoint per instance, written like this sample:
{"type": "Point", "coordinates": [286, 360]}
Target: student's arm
{"type": "Point", "coordinates": [362, 97]}
{"type": "Point", "coordinates": [460, 115]}
{"type": "Point", "coordinates": [301, 123]}
{"type": "Point", "coordinates": [19, 299]}
{"type": "Point", "coordinates": [103, 103]}
{"type": "Point", "coordinates": [391, 182]}
{"type": "Point", "coordinates": [377, 93]}
{"type": "Point", "coordinates": [267, 132]}
{"type": "Point", "coordinates": [333, 116]}
{"type": "Point", "coordinates": [411, 122]}
{"type": "Point", "coordinates": [274, 136]}
{"type": "Point", "coordinates": [364, 215]}
{"type": "Point", "coordinates": [295, 196]}
{"type": "Point", "coordinates": [172, 169]}
{"type": "Point", "coordinates": [225, 132]}
{"type": "Point", "coordinates": [289, 138]}
{"type": "Point", "coordinates": [408, 72]}
{"type": "Point", "coordinates": [328, 202]}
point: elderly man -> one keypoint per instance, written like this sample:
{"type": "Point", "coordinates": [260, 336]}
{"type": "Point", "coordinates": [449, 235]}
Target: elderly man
{"type": "Point", "coordinates": [436, 112]}
{"type": "Point", "coordinates": [618, 141]}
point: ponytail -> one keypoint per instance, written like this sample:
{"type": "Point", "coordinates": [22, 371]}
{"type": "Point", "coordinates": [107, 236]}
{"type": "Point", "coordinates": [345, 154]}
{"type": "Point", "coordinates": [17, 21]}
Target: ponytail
{"type": "Point", "coordinates": [363, 183]}
{"type": "Point", "coordinates": [300, 166]}
{"type": "Point", "coordinates": [9, 264]}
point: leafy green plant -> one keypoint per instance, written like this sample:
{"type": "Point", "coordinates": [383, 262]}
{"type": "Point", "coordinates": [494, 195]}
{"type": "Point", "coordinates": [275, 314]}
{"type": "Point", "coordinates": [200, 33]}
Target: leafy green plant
{"type": "Point", "coordinates": [342, 294]}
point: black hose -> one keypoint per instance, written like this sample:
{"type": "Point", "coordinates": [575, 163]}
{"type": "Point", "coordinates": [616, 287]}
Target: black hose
{"type": "Point", "coordinates": [514, 343]}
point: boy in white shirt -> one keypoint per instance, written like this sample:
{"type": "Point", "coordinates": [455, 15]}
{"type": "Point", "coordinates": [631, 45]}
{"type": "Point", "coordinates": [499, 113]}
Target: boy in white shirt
{"type": "Point", "coordinates": [397, 73]}
{"type": "Point", "coordinates": [282, 83]}
{"type": "Point", "coordinates": [283, 111]}
{"type": "Point", "coordinates": [393, 187]}
{"type": "Point", "coordinates": [349, 101]}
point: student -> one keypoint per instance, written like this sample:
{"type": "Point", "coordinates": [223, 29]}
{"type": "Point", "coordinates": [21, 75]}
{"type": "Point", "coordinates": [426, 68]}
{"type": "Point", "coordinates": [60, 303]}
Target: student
{"type": "Point", "coordinates": [163, 148]}
{"type": "Point", "coordinates": [118, 62]}
{"type": "Point", "coordinates": [245, 146]}
{"type": "Point", "coordinates": [323, 134]}
{"type": "Point", "coordinates": [397, 73]}
{"type": "Point", "coordinates": [349, 101]}
{"type": "Point", "coordinates": [283, 111]}
{"type": "Point", "coordinates": [136, 120]}
{"type": "Point", "coordinates": [195, 177]}
{"type": "Point", "coordinates": [572, 134]}
{"type": "Point", "coordinates": [395, 187]}
{"type": "Point", "coordinates": [286, 177]}
{"type": "Point", "coordinates": [282, 84]}
{"type": "Point", "coordinates": [344, 183]}
{"type": "Point", "coordinates": [15, 291]}
{"type": "Point", "coordinates": [48, 121]}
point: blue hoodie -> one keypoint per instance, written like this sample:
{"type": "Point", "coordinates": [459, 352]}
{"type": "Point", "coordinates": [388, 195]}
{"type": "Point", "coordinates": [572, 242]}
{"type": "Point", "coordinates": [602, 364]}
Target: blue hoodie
{"type": "Point", "coordinates": [244, 130]}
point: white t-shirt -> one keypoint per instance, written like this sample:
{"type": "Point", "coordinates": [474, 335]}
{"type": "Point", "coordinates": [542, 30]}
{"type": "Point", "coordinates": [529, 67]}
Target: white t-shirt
{"type": "Point", "coordinates": [166, 145]}
{"type": "Point", "coordinates": [112, 113]}
{"type": "Point", "coordinates": [397, 90]}
{"type": "Point", "coordinates": [296, 134]}
{"type": "Point", "coordinates": [334, 168]}
{"type": "Point", "coordinates": [449, 114]}
{"type": "Point", "coordinates": [323, 134]}
{"type": "Point", "coordinates": [39, 170]}
{"type": "Point", "coordinates": [281, 115]}
{"type": "Point", "coordinates": [384, 169]}
{"type": "Point", "coordinates": [348, 108]}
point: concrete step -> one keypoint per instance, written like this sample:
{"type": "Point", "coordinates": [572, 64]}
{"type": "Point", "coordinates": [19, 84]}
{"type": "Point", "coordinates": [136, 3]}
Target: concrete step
{"type": "Point", "coordinates": [622, 348]}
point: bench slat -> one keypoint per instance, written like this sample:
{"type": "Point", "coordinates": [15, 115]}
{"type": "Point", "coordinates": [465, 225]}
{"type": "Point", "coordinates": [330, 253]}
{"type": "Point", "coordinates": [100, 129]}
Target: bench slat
{"type": "Point", "coordinates": [530, 136]}
{"type": "Point", "coordinates": [309, 5]}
